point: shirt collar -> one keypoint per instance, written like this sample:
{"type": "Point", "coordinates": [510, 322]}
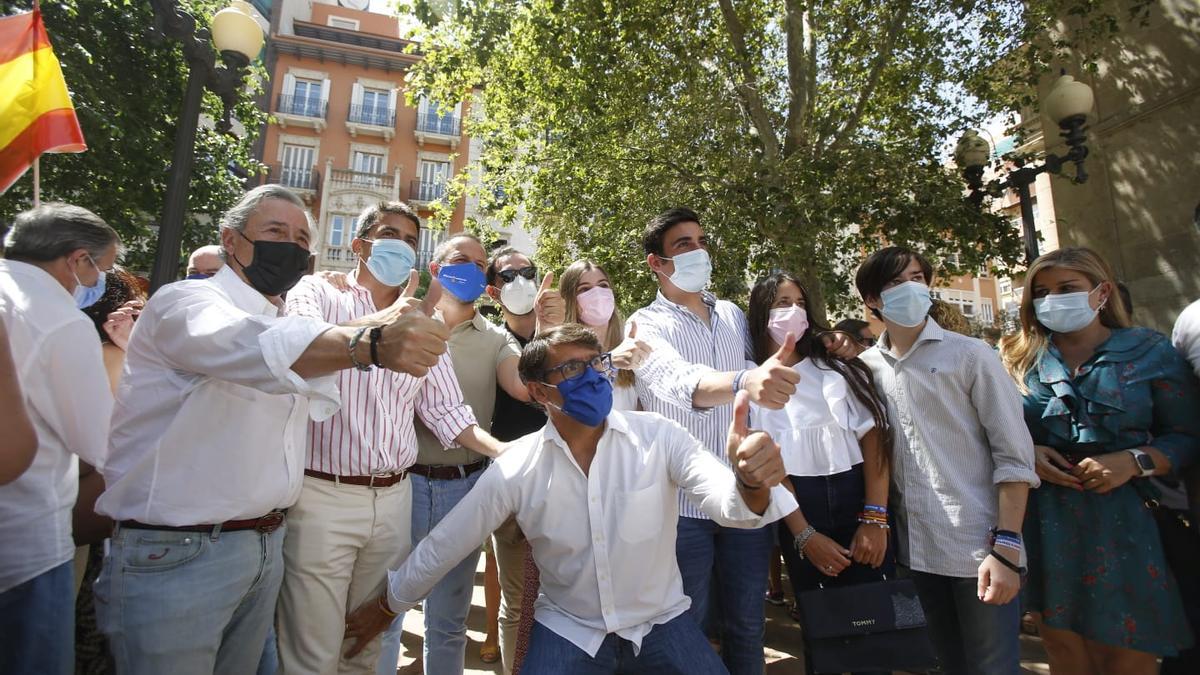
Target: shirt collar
{"type": "Point", "coordinates": [615, 422]}
{"type": "Point", "coordinates": [242, 294]}
{"type": "Point", "coordinates": [932, 332]}
{"type": "Point", "coordinates": [708, 298]}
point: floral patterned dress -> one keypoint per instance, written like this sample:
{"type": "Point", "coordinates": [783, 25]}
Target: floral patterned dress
{"type": "Point", "coordinates": [1096, 565]}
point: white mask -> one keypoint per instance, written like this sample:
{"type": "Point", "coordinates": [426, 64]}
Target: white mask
{"type": "Point", "coordinates": [518, 295]}
{"type": "Point", "coordinates": [693, 270]}
{"type": "Point", "coordinates": [907, 304]}
{"type": "Point", "coordinates": [1065, 312]}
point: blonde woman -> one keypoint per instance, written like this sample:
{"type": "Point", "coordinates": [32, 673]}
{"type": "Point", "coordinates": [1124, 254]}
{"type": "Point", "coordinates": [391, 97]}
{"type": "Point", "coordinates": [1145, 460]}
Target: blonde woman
{"type": "Point", "coordinates": [1108, 406]}
{"type": "Point", "coordinates": [589, 299]}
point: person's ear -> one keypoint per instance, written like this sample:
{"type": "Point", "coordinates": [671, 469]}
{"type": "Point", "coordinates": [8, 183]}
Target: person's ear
{"type": "Point", "coordinates": [433, 269]}
{"type": "Point", "coordinates": [493, 292]}
{"type": "Point", "coordinates": [1105, 295]}
{"type": "Point", "coordinates": [873, 302]}
{"type": "Point", "coordinates": [656, 263]}
{"type": "Point", "coordinates": [356, 246]}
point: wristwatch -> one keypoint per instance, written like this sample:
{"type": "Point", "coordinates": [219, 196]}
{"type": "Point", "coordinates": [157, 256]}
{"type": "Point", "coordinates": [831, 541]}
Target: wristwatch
{"type": "Point", "coordinates": [1145, 463]}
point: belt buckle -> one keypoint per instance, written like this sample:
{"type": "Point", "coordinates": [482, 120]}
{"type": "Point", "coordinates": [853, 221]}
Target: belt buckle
{"type": "Point", "coordinates": [269, 523]}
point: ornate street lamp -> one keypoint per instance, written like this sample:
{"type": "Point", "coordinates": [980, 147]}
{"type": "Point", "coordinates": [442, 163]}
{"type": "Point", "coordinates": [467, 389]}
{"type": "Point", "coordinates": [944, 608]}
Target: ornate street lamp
{"type": "Point", "coordinates": [1068, 104]}
{"type": "Point", "coordinates": [238, 38]}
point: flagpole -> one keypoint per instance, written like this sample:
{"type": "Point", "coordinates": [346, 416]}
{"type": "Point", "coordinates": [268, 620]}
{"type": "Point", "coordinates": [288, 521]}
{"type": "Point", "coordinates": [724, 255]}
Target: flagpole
{"type": "Point", "coordinates": [37, 182]}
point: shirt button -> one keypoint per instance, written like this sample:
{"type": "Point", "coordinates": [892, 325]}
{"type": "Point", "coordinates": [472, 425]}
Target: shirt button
{"type": "Point", "coordinates": [603, 576]}
{"type": "Point", "coordinates": [595, 499]}
{"type": "Point", "coordinates": [597, 538]}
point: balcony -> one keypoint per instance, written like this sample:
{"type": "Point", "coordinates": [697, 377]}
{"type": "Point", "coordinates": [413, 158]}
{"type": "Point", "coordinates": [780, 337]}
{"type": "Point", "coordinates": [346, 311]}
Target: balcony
{"type": "Point", "coordinates": [434, 128]}
{"type": "Point", "coordinates": [305, 181]}
{"type": "Point", "coordinates": [371, 121]}
{"type": "Point", "coordinates": [300, 111]}
{"type": "Point", "coordinates": [345, 179]}
{"type": "Point", "coordinates": [422, 192]}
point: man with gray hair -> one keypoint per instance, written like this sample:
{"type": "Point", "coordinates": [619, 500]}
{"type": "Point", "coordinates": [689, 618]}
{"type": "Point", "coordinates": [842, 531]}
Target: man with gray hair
{"type": "Point", "coordinates": [56, 256]}
{"type": "Point", "coordinates": [204, 262]}
{"type": "Point", "coordinates": [208, 448]}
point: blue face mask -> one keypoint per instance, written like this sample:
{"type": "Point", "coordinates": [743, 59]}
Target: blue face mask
{"type": "Point", "coordinates": [198, 275]}
{"type": "Point", "coordinates": [587, 397]}
{"type": "Point", "coordinates": [391, 260]}
{"type": "Point", "coordinates": [465, 281]}
{"type": "Point", "coordinates": [86, 296]}
{"type": "Point", "coordinates": [907, 304]}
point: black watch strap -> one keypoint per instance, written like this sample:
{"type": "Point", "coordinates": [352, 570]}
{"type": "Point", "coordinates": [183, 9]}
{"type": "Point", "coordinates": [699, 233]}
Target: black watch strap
{"type": "Point", "coordinates": [376, 332]}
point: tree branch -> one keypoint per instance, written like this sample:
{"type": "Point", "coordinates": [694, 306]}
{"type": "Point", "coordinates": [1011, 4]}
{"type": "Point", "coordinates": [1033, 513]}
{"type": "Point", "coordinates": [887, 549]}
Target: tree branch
{"type": "Point", "coordinates": [748, 89]}
{"type": "Point", "coordinates": [882, 57]}
{"type": "Point", "coordinates": [800, 64]}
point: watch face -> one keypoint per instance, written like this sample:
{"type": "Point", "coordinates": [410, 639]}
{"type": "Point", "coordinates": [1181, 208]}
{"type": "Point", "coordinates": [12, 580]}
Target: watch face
{"type": "Point", "coordinates": [1145, 461]}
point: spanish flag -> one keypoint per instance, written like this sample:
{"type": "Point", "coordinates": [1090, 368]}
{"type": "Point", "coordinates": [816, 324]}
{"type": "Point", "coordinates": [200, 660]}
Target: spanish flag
{"type": "Point", "coordinates": [36, 114]}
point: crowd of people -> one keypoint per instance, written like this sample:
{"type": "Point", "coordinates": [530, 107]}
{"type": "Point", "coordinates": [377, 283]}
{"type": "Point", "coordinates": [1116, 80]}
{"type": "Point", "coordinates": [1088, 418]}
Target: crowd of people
{"type": "Point", "coordinates": [265, 468]}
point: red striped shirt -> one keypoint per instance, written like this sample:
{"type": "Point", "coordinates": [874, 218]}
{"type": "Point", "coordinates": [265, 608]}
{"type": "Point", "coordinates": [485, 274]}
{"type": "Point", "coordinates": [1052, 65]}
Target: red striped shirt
{"type": "Point", "coordinates": [373, 432]}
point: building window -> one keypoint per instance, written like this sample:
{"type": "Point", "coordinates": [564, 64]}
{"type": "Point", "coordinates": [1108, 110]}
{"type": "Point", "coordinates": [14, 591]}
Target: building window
{"type": "Point", "coordinates": [1005, 286]}
{"type": "Point", "coordinates": [306, 97]}
{"type": "Point", "coordinates": [341, 231]}
{"type": "Point", "coordinates": [431, 184]}
{"type": "Point", "coordinates": [368, 162]}
{"type": "Point", "coordinates": [985, 310]}
{"type": "Point", "coordinates": [342, 22]}
{"type": "Point", "coordinates": [427, 243]}
{"type": "Point", "coordinates": [432, 120]}
{"type": "Point", "coordinates": [297, 168]}
{"type": "Point", "coordinates": [375, 107]}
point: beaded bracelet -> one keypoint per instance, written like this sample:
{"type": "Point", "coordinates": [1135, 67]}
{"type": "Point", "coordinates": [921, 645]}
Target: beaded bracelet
{"type": "Point", "coordinates": [874, 508]}
{"type": "Point", "coordinates": [877, 522]}
{"type": "Point", "coordinates": [737, 381]}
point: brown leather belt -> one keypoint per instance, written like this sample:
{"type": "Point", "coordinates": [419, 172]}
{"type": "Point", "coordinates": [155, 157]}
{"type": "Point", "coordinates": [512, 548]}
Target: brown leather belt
{"type": "Point", "coordinates": [380, 481]}
{"type": "Point", "coordinates": [449, 471]}
{"type": "Point", "coordinates": [265, 524]}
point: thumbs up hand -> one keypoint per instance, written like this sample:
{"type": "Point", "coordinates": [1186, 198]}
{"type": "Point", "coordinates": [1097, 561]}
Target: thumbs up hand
{"type": "Point", "coordinates": [773, 383]}
{"type": "Point", "coordinates": [549, 308]}
{"type": "Point", "coordinates": [754, 455]}
{"type": "Point", "coordinates": [632, 352]}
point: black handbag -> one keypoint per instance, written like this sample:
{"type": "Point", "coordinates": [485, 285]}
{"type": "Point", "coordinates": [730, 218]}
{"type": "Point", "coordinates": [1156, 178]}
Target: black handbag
{"type": "Point", "coordinates": [873, 626]}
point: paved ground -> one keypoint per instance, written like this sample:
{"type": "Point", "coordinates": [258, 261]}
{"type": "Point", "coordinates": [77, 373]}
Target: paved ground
{"type": "Point", "coordinates": [783, 646]}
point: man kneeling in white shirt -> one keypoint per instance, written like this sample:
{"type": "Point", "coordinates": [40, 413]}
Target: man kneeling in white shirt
{"type": "Point", "coordinates": [594, 493]}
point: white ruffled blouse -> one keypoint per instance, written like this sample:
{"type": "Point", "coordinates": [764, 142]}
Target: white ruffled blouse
{"type": "Point", "coordinates": [819, 429]}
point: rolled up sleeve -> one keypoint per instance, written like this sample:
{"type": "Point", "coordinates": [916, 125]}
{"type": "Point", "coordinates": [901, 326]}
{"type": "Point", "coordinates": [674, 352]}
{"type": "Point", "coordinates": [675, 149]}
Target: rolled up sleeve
{"type": "Point", "coordinates": [995, 397]}
{"type": "Point", "coordinates": [667, 377]}
{"type": "Point", "coordinates": [440, 403]}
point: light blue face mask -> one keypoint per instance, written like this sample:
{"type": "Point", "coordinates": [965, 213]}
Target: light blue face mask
{"type": "Point", "coordinates": [391, 260]}
{"type": "Point", "coordinates": [907, 304]}
{"type": "Point", "coordinates": [693, 270]}
{"type": "Point", "coordinates": [86, 296]}
{"type": "Point", "coordinates": [1066, 312]}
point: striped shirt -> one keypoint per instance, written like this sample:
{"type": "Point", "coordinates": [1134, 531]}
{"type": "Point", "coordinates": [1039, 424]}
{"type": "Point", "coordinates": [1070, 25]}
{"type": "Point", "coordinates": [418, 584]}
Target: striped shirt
{"type": "Point", "coordinates": [960, 432]}
{"type": "Point", "coordinates": [685, 349]}
{"type": "Point", "coordinates": [373, 433]}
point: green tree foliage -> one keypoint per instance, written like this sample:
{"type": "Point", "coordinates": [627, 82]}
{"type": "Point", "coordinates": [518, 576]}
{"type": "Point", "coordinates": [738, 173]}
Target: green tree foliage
{"type": "Point", "coordinates": [804, 132]}
{"type": "Point", "coordinates": [127, 88]}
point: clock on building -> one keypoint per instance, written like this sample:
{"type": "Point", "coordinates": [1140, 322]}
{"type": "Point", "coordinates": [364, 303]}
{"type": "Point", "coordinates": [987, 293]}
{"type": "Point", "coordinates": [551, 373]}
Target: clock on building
{"type": "Point", "coordinates": [355, 4]}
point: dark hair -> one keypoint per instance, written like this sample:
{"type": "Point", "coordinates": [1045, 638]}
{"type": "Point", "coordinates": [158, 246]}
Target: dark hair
{"type": "Point", "coordinates": [855, 372]}
{"type": "Point", "coordinates": [372, 214]}
{"type": "Point", "coordinates": [851, 326]}
{"type": "Point", "coordinates": [532, 366]}
{"type": "Point", "coordinates": [54, 230]}
{"type": "Point", "coordinates": [493, 266]}
{"type": "Point", "coordinates": [652, 237]}
{"type": "Point", "coordinates": [120, 286]}
{"type": "Point", "coordinates": [883, 266]}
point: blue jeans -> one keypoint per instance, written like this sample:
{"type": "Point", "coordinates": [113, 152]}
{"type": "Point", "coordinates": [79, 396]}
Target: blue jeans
{"type": "Point", "coordinates": [37, 624]}
{"type": "Point", "coordinates": [448, 604]}
{"type": "Point", "coordinates": [189, 603]}
{"type": "Point", "coordinates": [969, 636]}
{"type": "Point", "coordinates": [677, 646]}
{"type": "Point", "coordinates": [739, 559]}
{"type": "Point", "coordinates": [268, 663]}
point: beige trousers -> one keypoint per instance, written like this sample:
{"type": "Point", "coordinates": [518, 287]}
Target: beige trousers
{"type": "Point", "coordinates": [341, 541]}
{"type": "Point", "coordinates": [509, 545]}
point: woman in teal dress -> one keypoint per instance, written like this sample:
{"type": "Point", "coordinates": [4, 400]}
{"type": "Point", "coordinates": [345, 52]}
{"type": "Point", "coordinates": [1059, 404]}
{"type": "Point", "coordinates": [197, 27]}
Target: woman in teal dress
{"type": "Point", "coordinates": [1108, 405]}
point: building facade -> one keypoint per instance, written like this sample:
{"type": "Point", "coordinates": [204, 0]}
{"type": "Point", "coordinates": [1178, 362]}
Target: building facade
{"type": "Point", "coordinates": [341, 133]}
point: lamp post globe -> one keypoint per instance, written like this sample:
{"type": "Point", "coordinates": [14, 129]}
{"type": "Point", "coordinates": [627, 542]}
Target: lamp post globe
{"type": "Point", "coordinates": [235, 30]}
{"type": "Point", "coordinates": [1068, 100]}
{"type": "Point", "coordinates": [972, 150]}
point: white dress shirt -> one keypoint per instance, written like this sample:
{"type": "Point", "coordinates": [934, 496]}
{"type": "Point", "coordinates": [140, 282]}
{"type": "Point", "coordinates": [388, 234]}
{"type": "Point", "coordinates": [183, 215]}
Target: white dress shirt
{"type": "Point", "coordinates": [57, 354]}
{"type": "Point", "coordinates": [960, 432]}
{"type": "Point", "coordinates": [373, 433]}
{"type": "Point", "coordinates": [603, 541]}
{"type": "Point", "coordinates": [210, 419]}
{"type": "Point", "coordinates": [819, 428]}
{"type": "Point", "coordinates": [685, 349]}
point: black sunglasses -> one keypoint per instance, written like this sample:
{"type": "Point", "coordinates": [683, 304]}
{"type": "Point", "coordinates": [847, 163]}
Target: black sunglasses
{"type": "Point", "coordinates": [529, 273]}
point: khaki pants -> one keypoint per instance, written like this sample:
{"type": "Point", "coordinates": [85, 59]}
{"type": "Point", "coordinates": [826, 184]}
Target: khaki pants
{"type": "Point", "coordinates": [341, 541]}
{"type": "Point", "coordinates": [509, 545]}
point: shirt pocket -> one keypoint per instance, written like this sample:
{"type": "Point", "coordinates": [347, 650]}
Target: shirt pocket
{"type": "Point", "coordinates": [159, 551]}
{"type": "Point", "coordinates": [641, 514]}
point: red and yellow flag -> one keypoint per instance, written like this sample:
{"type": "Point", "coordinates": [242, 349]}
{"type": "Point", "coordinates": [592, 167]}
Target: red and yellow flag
{"type": "Point", "coordinates": [36, 114]}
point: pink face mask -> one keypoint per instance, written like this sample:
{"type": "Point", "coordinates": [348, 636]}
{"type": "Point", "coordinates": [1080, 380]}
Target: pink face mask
{"type": "Point", "coordinates": [596, 305]}
{"type": "Point", "coordinates": [786, 320]}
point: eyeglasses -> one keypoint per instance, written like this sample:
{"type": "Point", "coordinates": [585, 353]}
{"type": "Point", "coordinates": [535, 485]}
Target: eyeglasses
{"type": "Point", "coordinates": [529, 273]}
{"type": "Point", "coordinates": [601, 364]}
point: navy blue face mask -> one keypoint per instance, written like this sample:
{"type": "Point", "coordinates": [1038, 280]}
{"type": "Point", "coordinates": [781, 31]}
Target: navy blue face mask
{"type": "Point", "coordinates": [587, 397]}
